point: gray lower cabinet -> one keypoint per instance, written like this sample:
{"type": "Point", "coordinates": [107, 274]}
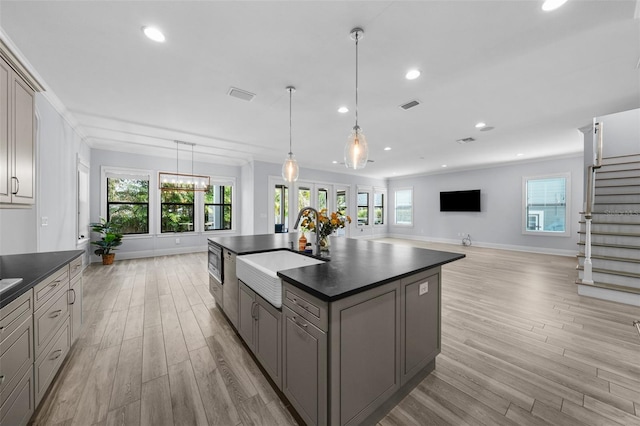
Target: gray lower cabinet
{"type": "Point", "coordinates": [304, 371]}
{"type": "Point", "coordinates": [420, 299]}
{"type": "Point", "coordinates": [260, 326]}
{"type": "Point", "coordinates": [74, 298]}
{"type": "Point", "coordinates": [215, 288]}
{"type": "Point", "coordinates": [230, 287]}
{"type": "Point", "coordinates": [16, 361]}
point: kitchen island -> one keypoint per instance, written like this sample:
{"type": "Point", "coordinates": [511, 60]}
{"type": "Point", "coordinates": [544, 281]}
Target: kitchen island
{"type": "Point", "coordinates": [354, 335]}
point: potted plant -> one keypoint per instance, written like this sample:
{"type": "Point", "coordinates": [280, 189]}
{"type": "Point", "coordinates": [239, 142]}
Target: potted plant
{"type": "Point", "coordinates": [111, 239]}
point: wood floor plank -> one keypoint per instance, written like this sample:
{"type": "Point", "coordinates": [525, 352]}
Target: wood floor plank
{"type": "Point", "coordinates": [154, 361]}
{"type": "Point", "coordinates": [193, 337]}
{"type": "Point", "coordinates": [524, 418]}
{"type": "Point", "coordinates": [135, 322]}
{"type": "Point", "coordinates": [205, 320]}
{"type": "Point", "coordinates": [626, 417]}
{"type": "Point", "coordinates": [152, 315]}
{"type": "Point", "coordinates": [185, 397]}
{"type": "Point", "coordinates": [218, 404]}
{"type": "Point", "coordinates": [122, 301]}
{"type": "Point", "coordinates": [94, 403]}
{"type": "Point", "coordinates": [128, 381]}
{"type": "Point", "coordinates": [586, 416]}
{"type": "Point", "coordinates": [175, 347]}
{"type": "Point", "coordinates": [155, 405]}
{"type": "Point", "coordinates": [94, 328]}
{"type": "Point", "coordinates": [129, 415]}
{"type": "Point", "coordinates": [115, 329]}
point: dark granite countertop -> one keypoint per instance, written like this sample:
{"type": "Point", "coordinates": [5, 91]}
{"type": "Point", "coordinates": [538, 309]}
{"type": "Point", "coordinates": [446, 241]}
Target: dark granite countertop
{"type": "Point", "coordinates": [354, 266]}
{"type": "Point", "coordinates": [32, 268]}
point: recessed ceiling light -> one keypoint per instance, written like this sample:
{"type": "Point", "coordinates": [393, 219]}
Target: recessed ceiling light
{"type": "Point", "coordinates": [480, 125]}
{"type": "Point", "coordinates": [444, 165]}
{"type": "Point", "coordinates": [550, 5]}
{"type": "Point", "coordinates": [387, 148]}
{"type": "Point", "coordinates": [519, 154]}
{"type": "Point", "coordinates": [412, 74]}
{"type": "Point", "coordinates": [334, 162]}
{"type": "Point", "coordinates": [343, 110]}
{"type": "Point", "coordinates": [154, 34]}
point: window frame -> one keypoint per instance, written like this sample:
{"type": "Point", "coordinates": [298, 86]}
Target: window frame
{"type": "Point", "coordinates": [126, 172]}
{"type": "Point", "coordinates": [367, 191]}
{"type": "Point", "coordinates": [223, 204]}
{"type": "Point", "coordinates": [194, 220]}
{"type": "Point", "coordinates": [567, 205]}
{"type": "Point", "coordinates": [382, 192]}
{"type": "Point", "coordinates": [395, 207]}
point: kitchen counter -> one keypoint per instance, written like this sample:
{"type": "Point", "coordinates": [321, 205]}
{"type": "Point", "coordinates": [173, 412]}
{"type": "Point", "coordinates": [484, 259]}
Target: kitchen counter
{"type": "Point", "coordinates": [354, 265]}
{"type": "Point", "coordinates": [32, 268]}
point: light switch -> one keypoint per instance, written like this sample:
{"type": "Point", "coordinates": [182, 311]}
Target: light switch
{"type": "Point", "coordinates": [424, 288]}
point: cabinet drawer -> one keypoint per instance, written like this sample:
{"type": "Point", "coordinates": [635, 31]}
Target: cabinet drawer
{"type": "Point", "coordinates": [47, 288]}
{"type": "Point", "coordinates": [20, 404]}
{"type": "Point", "coordinates": [48, 318]}
{"type": "Point", "coordinates": [215, 288]}
{"type": "Point", "coordinates": [16, 353]}
{"type": "Point", "coordinates": [75, 267]}
{"type": "Point", "coordinates": [307, 306]}
{"type": "Point", "coordinates": [14, 314]}
{"type": "Point", "coordinates": [48, 363]}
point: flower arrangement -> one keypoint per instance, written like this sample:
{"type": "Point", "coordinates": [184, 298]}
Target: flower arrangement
{"type": "Point", "coordinates": [327, 223]}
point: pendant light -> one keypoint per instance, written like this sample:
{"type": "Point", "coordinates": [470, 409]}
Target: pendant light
{"type": "Point", "coordinates": [290, 168]}
{"type": "Point", "coordinates": [183, 181]}
{"type": "Point", "coordinates": [356, 152]}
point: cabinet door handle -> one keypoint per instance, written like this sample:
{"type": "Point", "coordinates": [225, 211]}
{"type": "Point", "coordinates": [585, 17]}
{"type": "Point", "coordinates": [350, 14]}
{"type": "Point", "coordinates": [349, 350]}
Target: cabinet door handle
{"type": "Point", "coordinates": [54, 284]}
{"type": "Point", "coordinates": [57, 353]}
{"type": "Point", "coordinates": [254, 311]}
{"type": "Point", "coordinates": [17, 185]}
{"type": "Point", "coordinates": [55, 314]}
{"type": "Point", "coordinates": [295, 319]}
{"type": "Point", "coordinates": [74, 296]}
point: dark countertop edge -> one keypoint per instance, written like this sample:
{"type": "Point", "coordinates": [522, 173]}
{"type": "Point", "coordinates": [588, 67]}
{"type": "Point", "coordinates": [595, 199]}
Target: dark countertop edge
{"type": "Point", "coordinates": [23, 287]}
{"type": "Point", "coordinates": [328, 298]}
{"type": "Point", "coordinates": [245, 252]}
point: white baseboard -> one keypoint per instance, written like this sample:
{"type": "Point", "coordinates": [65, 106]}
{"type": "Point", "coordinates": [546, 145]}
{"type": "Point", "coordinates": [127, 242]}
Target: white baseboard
{"type": "Point", "coordinates": [528, 249]}
{"type": "Point", "coordinates": [152, 253]}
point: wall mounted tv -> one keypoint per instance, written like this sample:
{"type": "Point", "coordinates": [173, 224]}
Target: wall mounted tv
{"type": "Point", "coordinates": [460, 201]}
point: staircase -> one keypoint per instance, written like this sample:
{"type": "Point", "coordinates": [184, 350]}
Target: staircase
{"type": "Point", "coordinates": [615, 233]}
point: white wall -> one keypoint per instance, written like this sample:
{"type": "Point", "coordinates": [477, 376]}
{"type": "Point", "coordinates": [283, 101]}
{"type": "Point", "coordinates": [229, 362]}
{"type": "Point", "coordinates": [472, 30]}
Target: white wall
{"type": "Point", "coordinates": [156, 243]}
{"type": "Point", "coordinates": [246, 213]}
{"type": "Point", "coordinates": [499, 224]}
{"type": "Point", "coordinates": [621, 133]}
{"type": "Point", "coordinates": [57, 147]}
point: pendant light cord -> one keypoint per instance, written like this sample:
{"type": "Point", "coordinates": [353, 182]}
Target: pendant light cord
{"type": "Point", "coordinates": [357, 79]}
{"type": "Point", "coordinates": [290, 150]}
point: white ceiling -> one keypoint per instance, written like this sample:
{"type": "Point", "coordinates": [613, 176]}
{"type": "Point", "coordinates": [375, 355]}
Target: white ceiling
{"type": "Point", "coordinates": [535, 76]}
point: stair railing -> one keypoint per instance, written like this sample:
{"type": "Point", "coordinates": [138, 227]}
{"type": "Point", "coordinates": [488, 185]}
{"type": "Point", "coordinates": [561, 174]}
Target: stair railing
{"type": "Point", "coordinates": [587, 276]}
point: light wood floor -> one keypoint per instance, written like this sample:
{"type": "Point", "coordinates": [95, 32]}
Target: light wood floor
{"type": "Point", "coordinates": [519, 347]}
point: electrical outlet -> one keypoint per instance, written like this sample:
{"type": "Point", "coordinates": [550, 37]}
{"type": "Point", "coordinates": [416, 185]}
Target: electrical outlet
{"type": "Point", "coordinates": [177, 240]}
{"type": "Point", "coordinates": [44, 221]}
{"type": "Point", "coordinates": [424, 288]}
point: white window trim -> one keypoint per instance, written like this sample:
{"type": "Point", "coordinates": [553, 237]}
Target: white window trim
{"type": "Point", "coordinates": [385, 206]}
{"type": "Point", "coordinates": [395, 205]}
{"type": "Point", "coordinates": [105, 170]}
{"type": "Point", "coordinates": [523, 214]}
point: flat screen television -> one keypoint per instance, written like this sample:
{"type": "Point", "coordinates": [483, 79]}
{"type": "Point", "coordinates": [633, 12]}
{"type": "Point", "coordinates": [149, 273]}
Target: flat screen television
{"type": "Point", "coordinates": [460, 201]}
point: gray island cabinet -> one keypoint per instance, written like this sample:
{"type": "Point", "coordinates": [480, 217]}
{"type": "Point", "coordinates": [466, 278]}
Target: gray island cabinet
{"type": "Point", "coordinates": [354, 335]}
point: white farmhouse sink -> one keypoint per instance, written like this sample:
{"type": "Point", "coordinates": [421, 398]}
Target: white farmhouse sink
{"type": "Point", "coordinates": [259, 271]}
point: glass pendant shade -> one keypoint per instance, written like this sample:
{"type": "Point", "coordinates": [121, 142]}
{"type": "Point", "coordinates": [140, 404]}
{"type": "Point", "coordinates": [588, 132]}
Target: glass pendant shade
{"type": "Point", "coordinates": [290, 169]}
{"type": "Point", "coordinates": [356, 152]}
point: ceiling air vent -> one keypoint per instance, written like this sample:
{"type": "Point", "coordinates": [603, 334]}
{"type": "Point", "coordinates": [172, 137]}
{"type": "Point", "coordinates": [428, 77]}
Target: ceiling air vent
{"type": "Point", "coordinates": [410, 105]}
{"type": "Point", "coordinates": [241, 94]}
{"type": "Point", "coordinates": [465, 140]}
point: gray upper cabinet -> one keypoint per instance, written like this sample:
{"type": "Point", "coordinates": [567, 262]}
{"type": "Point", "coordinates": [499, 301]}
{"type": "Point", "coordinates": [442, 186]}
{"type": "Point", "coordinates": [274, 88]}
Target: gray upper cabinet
{"type": "Point", "coordinates": [17, 138]}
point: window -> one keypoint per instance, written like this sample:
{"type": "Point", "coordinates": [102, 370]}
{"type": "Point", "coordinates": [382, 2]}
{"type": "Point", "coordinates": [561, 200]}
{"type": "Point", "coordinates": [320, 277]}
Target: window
{"type": "Point", "coordinates": [545, 206]}
{"type": "Point", "coordinates": [404, 207]}
{"type": "Point", "coordinates": [128, 203]}
{"type": "Point", "coordinates": [281, 208]}
{"type": "Point", "coordinates": [217, 207]}
{"type": "Point", "coordinates": [363, 208]}
{"type": "Point", "coordinates": [304, 197]}
{"type": "Point", "coordinates": [378, 208]}
{"type": "Point", "coordinates": [341, 202]}
{"type": "Point", "coordinates": [323, 195]}
{"type": "Point", "coordinates": [176, 211]}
